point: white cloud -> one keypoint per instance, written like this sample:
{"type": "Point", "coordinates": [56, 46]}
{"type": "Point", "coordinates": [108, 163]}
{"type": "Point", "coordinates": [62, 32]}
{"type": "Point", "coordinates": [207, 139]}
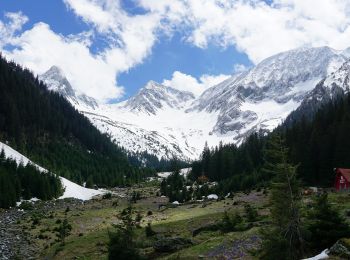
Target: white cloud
{"type": "Point", "coordinates": [129, 41]}
{"type": "Point", "coordinates": [261, 30]}
{"type": "Point", "coordinates": [14, 23]}
{"type": "Point", "coordinates": [185, 82]}
{"type": "Point", "coordinates": [40, 48]}
{"type": "Point", "coordinates": [237, 68]}
{"type": "Point", "coordinates": [256, 28]}
{"type": "Point", "coordinates": [252, 26]}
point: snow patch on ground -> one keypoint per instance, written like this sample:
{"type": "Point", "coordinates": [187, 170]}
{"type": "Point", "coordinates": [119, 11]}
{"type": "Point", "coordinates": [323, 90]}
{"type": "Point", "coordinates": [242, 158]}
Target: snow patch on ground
{"type": "Point", "coordinates": [183, 172]}
{"type": "Point", "coordinates": [213, 197]}
{"type": "Point", "coordinates": [72, 190]}
{"type": "Point", "coordinates": [323, 255]}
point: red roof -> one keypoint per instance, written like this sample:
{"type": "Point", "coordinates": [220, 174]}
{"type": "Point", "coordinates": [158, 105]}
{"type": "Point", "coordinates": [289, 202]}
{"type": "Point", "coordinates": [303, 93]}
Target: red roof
{"type": "Point", "coordinates": [345, 173]}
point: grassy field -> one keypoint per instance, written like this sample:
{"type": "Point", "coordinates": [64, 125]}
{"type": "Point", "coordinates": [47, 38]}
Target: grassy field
{"type": "Point", "coordinates": [92, 221]}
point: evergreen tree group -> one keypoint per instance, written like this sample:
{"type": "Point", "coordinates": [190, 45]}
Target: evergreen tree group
{"type": "Point", "coordinates": [25, 182]}
{"type": "Point", "coordinates": [174, 187]}
{"type": "Point", "coordinates": [325, 225]}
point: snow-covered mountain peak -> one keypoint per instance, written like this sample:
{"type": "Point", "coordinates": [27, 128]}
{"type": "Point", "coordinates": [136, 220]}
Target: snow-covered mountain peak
{"type": "Point", "coordinates": [54, 70]}
{"type": "Point", "coordinates": [259, 99]}
{"type": "Point", "coordinates": [339, 79]}
{"type": "Point", "coordinates": [333, 86]}
{"type": "Point", "coordinates": [55, 80]}
{"type": "Point", "coordinates": [153, 85]}
{"type": "Point", "coordinates": [155, 96]}
{"type": "Point", "coordinates": [294, 66]}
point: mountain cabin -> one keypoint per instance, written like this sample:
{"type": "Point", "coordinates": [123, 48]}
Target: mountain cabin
{"type": "Point", "coordinates": [342, 179]}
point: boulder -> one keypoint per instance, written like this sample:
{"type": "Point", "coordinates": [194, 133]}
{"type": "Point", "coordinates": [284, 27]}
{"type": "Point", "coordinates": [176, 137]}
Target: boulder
{"type": "Point", "coordinates": [341, 249]}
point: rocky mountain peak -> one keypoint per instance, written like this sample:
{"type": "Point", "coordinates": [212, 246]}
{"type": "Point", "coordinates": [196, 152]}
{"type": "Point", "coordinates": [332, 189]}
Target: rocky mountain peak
{"type": "Point", "coordinates": [55, 80]}
{"type": "Point", "coordinates": [155, 96]}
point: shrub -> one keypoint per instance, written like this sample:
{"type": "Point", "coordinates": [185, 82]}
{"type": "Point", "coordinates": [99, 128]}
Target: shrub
{"type": "Point", "coordinates": [232, 223]}
{"type": "Point", "coordinates": [121, 241]}
{"type": "Point", "coordinates": [63, 231]}
{"type": "Point", "coordinates": [149, 231]}
{"type": "Point", "coordinates": [251, 213]}
{"type": "Point", "coordinates": [26, 205]}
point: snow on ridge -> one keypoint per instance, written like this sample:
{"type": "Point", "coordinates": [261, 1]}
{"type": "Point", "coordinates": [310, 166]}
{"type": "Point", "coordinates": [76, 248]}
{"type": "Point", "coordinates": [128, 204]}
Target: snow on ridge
{"type": "Point", "coordinates": [72, 190]}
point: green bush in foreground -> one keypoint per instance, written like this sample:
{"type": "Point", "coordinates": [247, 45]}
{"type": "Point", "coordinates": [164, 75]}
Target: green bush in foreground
{"type": "Point", "coordinates": [325, 224]}
{"type": "Point", "coordinates": [121, 241]}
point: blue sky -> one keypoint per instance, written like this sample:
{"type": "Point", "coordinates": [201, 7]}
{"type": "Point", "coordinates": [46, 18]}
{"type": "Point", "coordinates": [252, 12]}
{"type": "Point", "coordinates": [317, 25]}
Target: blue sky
{"type": "Point", "coordinates": [174, 55]}
{"type": "Point", "coordinates": [108, 49]}
{"type": "Point", "coordinates": [169, 54]}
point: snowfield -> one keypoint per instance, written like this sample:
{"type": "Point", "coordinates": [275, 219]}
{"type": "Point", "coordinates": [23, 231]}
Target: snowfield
{"type": "Point", "coordinates": [72, 190]}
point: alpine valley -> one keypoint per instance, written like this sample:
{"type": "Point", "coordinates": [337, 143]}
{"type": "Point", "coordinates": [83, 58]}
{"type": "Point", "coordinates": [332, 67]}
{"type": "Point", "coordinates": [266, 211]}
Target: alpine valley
{"type": "Point", "coordinates": [170, 123]}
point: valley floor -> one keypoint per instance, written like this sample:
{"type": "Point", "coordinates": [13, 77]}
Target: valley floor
{"type": "Point", "coordinates": [31, 234]}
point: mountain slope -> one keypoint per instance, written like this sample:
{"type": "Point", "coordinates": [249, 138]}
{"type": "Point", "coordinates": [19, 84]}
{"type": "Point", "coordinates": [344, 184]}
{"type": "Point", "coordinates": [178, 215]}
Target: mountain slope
{"type": "Point", "coordinates": [71, 189]}
{"type": "Point", "coordinates": [170, 123]}
{"type": "Point", "coordinates": [44, 126]}
{"type": "Point", "coordinates": [335, 85]}
{"type": "Point", "coordinates": [262, 97]}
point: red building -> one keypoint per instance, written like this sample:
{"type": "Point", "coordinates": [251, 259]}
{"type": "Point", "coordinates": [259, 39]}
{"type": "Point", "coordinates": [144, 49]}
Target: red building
{"type": "Point", "coordinates": [342, 179]}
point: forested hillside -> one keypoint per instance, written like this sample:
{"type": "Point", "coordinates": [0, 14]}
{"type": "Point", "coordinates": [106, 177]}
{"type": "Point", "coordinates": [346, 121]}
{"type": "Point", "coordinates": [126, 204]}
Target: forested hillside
{"type": "Point", "coordinates": [26, 182]}
{"type": "Point", "coordinates": [44, 126]}
{"type": "Point", "coordinates": [317, 145]}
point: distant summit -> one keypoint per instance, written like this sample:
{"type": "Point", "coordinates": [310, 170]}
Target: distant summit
{"type": "Point", "coordinates": [56, 81]}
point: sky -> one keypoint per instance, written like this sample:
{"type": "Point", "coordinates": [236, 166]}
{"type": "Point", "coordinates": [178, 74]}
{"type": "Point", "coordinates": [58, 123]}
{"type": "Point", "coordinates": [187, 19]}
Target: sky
{"type": "Point", "coordinates": [109, 49]}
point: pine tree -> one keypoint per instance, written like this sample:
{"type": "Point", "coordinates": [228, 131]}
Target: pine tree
{"type": "Point", "coordinates": [64, 230]}
{"type": "Point", "coordinates": [121, 241]}
{"type": "Point", "coordinates": [325, 224]}
{"type": "Point", "coordinates": [283, 240]}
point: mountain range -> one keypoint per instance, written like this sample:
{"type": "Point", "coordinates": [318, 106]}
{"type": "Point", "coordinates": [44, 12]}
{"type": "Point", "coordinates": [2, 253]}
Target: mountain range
{"type": "Point", "coordinates": [168, 122]}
